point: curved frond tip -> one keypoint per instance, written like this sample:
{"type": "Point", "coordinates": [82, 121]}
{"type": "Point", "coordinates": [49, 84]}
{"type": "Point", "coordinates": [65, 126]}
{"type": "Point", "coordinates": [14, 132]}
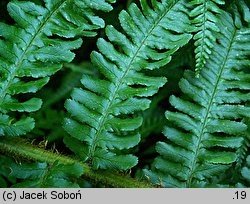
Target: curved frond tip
{"type": "Point", "coordinates": [205, 18]}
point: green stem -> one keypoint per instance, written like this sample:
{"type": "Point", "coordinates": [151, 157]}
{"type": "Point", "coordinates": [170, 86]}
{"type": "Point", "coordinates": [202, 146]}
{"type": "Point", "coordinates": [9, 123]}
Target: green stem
{"type": "Point", "coordinates": [19, 148]}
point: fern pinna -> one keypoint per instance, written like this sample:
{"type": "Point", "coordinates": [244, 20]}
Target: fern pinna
{"type": "Point", "coordinates": [103, 122]}
{"type": "Point", "coordinates": [209, 115]}
{"type": "Point", "coordinates": [35, 48]}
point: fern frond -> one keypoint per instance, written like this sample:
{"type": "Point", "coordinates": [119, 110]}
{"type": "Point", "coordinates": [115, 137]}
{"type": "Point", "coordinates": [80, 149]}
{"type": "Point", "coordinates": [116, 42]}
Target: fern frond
{"type": "Point", "coordinates": [102, 112]}
{"type": "Point", "coordinates": [205, 19]}
{"type": "Point", "coordinates": [41, 175]}
{"type": "Point", "coordinates": [35, 48]}
{"type": "Point", "coordinates": [208, 125]}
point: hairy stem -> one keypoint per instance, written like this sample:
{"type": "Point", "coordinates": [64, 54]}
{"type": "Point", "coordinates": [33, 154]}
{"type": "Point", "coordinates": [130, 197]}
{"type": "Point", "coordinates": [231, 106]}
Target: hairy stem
{"type": "Point", "coordinates": [19, 148]}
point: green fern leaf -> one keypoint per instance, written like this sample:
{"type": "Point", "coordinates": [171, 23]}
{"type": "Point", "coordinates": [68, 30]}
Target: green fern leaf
{"type": "Point", "coordinates": [208, 125]}
{"type": "Point", "coordinates": [205, 19]}
{"type": "Point", "coordinates": [35, 48]}
{"type": "Point", "coordinates": [102, 112]}
{"type": "Point", "coordinates": [41, 175]}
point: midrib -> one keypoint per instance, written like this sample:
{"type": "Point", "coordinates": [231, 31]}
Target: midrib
{"type": "Point", "coordinates": [12, 74]}
{"type": "Point", "coordinates": [203, 27]}
{"type": "Point", "coordinates": [113, 96]}
{"type": "Point", "coordinates": [204, 124]}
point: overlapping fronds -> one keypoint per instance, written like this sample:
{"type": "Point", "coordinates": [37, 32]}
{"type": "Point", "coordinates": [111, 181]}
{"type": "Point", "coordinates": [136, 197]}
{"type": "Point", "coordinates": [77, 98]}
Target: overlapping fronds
{"type": "Point", "coordinates": [35, 48]}
{"type": "Point", "coordinates": [103, 122]}
{"type": "Point", "coordinates": [208, 125]}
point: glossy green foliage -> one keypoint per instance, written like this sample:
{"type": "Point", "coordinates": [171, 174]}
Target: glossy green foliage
{"type": "Point", "coordinates": [205, 18]}
{"type": "Point", "coordinates": [33, 49]}
{"type": "Point", "coordinates": [208, 126]}
{"type": "Point", "coordinates": [103, 120]}
{"type": "Point", "coordinates": [42, 175]}
{"type": "Point", "coordinates": [131, 103]}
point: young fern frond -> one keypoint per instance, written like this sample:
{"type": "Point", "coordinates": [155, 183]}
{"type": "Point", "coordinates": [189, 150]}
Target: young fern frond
{"type": "Point", "coordinates": [205, 19]}
{"type": "Point", "coordinates": [35, 48]}
{"type": "Point", "coordinates": [208, 125]}
{"type": "Point", "coordinates": [102, 112]}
